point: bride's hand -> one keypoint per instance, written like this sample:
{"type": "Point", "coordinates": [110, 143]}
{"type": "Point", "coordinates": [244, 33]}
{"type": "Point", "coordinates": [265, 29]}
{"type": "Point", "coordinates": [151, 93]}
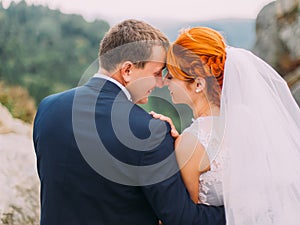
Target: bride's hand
{"type": "Point", "coordinates": [174, 132]}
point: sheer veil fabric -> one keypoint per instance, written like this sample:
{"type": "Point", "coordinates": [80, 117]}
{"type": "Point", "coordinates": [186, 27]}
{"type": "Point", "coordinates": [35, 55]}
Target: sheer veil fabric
{"type": "Point", "coordinates": [261, 180]}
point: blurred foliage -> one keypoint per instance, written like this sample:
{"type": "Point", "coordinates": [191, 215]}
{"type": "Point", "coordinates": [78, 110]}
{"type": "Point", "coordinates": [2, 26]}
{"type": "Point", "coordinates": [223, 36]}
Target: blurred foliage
{"type": "Point", "coordinates": [17, 100]}
{"type": "Point", "coordinates": [44, 50]}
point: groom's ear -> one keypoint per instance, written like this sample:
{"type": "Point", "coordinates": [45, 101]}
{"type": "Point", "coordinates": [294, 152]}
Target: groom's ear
{"type": "Point", "coordinates": [126, 69]}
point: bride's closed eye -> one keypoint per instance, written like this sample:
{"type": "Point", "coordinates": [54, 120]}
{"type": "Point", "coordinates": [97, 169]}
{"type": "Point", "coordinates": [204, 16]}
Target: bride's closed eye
{"type": "Point", "coordinates": [169, 76]}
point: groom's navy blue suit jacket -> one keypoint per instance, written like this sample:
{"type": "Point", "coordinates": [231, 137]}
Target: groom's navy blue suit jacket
{"type": "Point", "coordinates": [104, 161]}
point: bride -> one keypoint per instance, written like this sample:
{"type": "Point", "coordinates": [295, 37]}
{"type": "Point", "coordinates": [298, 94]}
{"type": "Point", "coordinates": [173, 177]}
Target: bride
{"type": "Point", "coordinates": [243, 148]}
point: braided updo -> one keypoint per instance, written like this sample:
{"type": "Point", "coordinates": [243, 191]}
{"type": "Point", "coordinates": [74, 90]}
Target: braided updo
{"type": "Point", "coordinates": [199, 52]}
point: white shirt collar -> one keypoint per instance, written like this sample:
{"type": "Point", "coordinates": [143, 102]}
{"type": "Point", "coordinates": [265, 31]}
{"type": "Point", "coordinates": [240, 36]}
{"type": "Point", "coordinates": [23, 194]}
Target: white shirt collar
{"type": "Point", "coordinates": [123, 88]}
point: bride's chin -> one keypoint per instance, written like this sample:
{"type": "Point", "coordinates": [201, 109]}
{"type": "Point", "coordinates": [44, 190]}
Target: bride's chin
{"type": "Point", "coordinates": [174, 100]}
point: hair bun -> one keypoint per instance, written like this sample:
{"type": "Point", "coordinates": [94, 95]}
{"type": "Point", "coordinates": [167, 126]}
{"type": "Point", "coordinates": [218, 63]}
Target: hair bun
{"type": "Point", "coordinates": [214, 65]}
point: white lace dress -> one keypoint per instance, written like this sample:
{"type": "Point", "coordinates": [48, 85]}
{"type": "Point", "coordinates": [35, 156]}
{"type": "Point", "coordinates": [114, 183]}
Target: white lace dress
{"type": "Point", "coordinates": [210, 182]}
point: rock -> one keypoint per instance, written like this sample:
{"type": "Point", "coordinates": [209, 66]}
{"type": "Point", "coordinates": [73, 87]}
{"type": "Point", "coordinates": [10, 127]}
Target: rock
{"type": "Point", "coordinates": [278, 38]}
{"type": "Point", "coordinates": [8, 124]}
{"type": "Point", "coordinates": [19, 184]}
{"type": "Point", "coordinates": [295, 88]}
{"type": "Point", "coordinates": [284, 7]}
{"type": "Point", "coordinates": [267, 36]}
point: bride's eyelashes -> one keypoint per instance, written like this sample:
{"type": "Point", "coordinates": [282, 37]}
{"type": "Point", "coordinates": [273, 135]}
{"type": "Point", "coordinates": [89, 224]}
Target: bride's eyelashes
{"type": "Point", "coordinates": [169, 76]}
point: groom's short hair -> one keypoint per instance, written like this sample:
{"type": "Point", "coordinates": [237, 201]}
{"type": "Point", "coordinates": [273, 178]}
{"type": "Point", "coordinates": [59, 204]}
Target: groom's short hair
{"type": "Point", "coordinates": [131, 40]}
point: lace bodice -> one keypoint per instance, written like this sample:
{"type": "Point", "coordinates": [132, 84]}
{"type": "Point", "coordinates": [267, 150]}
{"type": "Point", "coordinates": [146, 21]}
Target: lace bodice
{"type": "Point", "coordinates": [210, 182]}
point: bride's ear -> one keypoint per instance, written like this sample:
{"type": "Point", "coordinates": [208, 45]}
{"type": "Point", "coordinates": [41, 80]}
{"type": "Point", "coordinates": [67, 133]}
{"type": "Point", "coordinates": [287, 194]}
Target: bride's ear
{"type": "Point", "coordinates": [200, 84]}
{"type": "Point", "coordinates": [126, 69]}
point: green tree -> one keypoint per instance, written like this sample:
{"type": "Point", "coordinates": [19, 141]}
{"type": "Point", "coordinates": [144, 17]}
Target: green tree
{"type": "Point", "coordinates": [44, 50]}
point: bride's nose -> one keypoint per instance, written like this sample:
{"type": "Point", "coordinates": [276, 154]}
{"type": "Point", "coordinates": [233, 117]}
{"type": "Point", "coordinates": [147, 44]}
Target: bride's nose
{"type": "Point", "coordinates": [166, 81]}
{"type": "Point", "coordinates": [159, 82]}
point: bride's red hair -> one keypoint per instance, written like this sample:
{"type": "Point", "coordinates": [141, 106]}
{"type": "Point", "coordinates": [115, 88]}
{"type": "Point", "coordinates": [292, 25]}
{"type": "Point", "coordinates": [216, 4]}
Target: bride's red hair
{"type": "Point", "coordinates": [199, 52]}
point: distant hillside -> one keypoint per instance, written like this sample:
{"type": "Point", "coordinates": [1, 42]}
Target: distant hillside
{"type": "Point", "coordinates": [47, 51]}
{"type": "Point", "coordinates": [238, 32]}
{"type": "Point", "coordinates": [44, 50]}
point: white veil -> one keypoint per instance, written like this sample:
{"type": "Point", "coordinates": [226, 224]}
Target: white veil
{"type": "Point", "coordinates": [261, 181]}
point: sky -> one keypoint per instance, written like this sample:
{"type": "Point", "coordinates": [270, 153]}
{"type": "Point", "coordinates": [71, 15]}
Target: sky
{"type": "Point", "coordinates": [188, 10]}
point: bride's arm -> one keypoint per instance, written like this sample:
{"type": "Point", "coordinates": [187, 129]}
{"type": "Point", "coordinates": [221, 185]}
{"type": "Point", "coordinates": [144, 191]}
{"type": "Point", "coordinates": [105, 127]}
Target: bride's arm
{"type": "Point", "coordinates": [192, 160]}
{"type": "Point", "coordinates": [191, 156]}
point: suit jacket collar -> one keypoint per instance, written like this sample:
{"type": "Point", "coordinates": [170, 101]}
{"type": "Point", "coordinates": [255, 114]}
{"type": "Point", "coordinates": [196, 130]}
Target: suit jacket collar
{"type": "Point", "coordinates": [102, 84]}
{"type": "Point", "coordinates": [123, 88]}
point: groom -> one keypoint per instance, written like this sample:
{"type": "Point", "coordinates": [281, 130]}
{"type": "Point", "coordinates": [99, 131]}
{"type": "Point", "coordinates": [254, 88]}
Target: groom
{"type": "Point", "coordinates": [104, 160]}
